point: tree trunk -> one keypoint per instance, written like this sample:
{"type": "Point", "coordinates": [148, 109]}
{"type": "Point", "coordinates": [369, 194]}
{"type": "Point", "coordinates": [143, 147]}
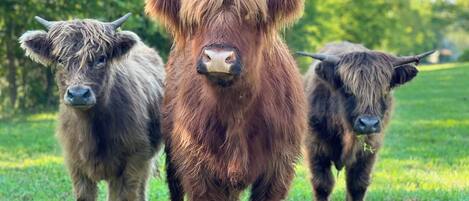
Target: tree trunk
{"type": "Point", "coordinates": [11, 66]}
{"type": "Point", "coordinates": [11, 73]}
{"type": "Point", "coordinates": [49, 85]}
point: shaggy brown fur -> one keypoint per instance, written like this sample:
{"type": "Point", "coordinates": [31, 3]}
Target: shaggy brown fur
{"type": "Point", "coordinates": [117, 138]}
{"type": "Point", "coordinates": [360, 84]}
{"type": "Point", "coordinates": [222, 139]}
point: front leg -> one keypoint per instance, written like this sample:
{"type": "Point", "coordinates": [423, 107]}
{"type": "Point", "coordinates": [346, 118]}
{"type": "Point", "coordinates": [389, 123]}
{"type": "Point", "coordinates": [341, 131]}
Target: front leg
{"type": "Point", "coordinates": [131, 185]}
{"type": "Point", "coordinates": [274, 187]}
{"type": "Point", "coordinates": [358, 176]}
{"type": "Point", "coordinates": [203, 187]}
{"type": "Point", "coordinates": [84, 188]}
{"type": "Point", "coordinates": [322, 178]}
{"type": "Point", "coordinates": [176, 192]}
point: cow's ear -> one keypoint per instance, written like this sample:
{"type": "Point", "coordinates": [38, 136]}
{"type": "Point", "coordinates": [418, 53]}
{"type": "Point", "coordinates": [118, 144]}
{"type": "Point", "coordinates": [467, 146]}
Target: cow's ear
{"type": "Point", "coordinates": [165, 11]}
{"type": "Point", "coordinates": [125, 40]}
{"type": "Point", "coordinates": [37, 46]}
{"type": "Point", "coordinates": [403, 74]}
{"type": "Point", "coordinates": [328, 72]}
{"type": "Point", "coordinates": [284, 12]}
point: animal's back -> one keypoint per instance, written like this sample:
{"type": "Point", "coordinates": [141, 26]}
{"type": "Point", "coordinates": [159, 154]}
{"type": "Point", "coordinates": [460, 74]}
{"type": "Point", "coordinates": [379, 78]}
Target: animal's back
{"type": "Point", "coordinates": [148, 68]}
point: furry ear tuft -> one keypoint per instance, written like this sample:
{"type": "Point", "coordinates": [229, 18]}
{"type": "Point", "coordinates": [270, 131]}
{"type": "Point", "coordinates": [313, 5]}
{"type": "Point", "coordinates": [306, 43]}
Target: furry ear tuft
{"type": "Point", "coordinates": [37, 46]}
{"type": "Point", "coordinates": [327, 72]}
{"type": "Point", "coordinates": [403, 74]}
{"type": "Point", "coordinates": [166, 11]}
{"type": "Point", "coordinates": [285, 12]}
{"type": "Point", "coordinates": [125, 41]}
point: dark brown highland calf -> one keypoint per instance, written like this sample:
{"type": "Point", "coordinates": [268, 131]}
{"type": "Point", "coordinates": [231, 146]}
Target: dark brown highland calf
{"type": "Point", "coordinates": [350, 99]}
{"type": "Point", "coordinates": [234, 112]}
{"type": "Point", "coordinates": [112, 87]}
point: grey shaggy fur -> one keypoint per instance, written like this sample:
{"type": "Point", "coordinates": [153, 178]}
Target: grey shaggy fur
{"type": "Point", "coordinates": [116, 140]}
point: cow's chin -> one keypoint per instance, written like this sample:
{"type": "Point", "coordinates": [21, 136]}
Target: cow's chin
{"type": "Point", "coordinates": [357, 133]}
{"type": "Point", "coordinates": [222, 79]}
{"type": "Point", "coordinates": [81, 107]}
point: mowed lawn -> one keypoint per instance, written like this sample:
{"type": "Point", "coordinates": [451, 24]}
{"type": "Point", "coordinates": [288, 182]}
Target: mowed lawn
{"type": "Point", "coordinates": [425, 156]}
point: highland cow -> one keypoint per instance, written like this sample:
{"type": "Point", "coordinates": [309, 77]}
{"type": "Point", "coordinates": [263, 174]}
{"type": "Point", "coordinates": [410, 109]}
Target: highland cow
{"type": "Point", "coordinates": [350, 97]}
{"type": "Point", "coordinates": [111, 86]}
{"type": "Point", "coordinates": [234, 112]}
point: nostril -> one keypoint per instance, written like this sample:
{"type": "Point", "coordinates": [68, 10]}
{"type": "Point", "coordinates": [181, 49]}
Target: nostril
{"type": "Point", "coordinates": [87, 93]}
{"type": "Point", "coordinates": [206, 58]}
{"type": "Point", "coordinates": [230, 59]}
{"type": "Point", "coordinates": [362, 121]}
{"type": "Point", "coordinates": [69, 94]}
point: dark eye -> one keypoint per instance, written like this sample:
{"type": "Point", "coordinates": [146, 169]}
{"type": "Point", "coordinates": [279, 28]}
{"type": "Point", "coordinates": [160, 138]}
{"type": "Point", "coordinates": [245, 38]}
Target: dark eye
{"type": "Point", "coordinates": [60, 61]}
{"type": "Point", "coordinates": [347, 91]}
{"type": "Point", "coordinates": [101, 61]}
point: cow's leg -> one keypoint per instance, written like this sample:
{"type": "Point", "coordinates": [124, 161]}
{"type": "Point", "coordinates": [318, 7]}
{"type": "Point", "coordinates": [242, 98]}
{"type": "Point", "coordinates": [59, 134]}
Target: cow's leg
{"type": "Point", "coordinates": [176, 191]}
{"type": "Point", "coordinates": [274, 187]}
{"type": "Point", "coordinates": [128, 186]}
{"type": "Point", "coordinates": [203, 188]}
{"type": "Point", "coordinates": [213, 195]}
{"type": "Point", "coordinates": [146, 174]}
{"type": "Point", "coordinates": [321, 176]}
{"type": "Point", "coordinates": [358, 176]}
{"type": "Point", "coordinates": [84, 188]}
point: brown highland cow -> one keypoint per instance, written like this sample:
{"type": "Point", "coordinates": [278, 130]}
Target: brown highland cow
{"type": "Point", "coordinates": [235, 111]}
{"type": "Point", "coordinates": [350, 99]}
{"type": "Point", "coordinates": [112, 87]}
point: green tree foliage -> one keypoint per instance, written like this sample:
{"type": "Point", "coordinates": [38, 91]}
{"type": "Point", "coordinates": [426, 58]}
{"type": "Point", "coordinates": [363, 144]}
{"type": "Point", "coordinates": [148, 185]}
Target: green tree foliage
{"type": "Point", "coordinates": [464, 56]}
{"type": "Point", "coordinates": [401, 27]}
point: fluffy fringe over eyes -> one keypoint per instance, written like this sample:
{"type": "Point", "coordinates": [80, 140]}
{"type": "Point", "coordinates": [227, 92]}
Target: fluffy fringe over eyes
{"type": "Point", "coordinates": [368, 75]}
{"type": "Point", "coordinates": [183, 16]}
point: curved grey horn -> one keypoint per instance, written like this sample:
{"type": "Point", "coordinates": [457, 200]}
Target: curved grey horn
{"type": "Point", "coordinates": [411, 59]}
{"type": "Point", "coordinates": [116, 24]}
{"type": "Point", "coordinates": [323, 57]}
{"type": "Point", "coordinates": [45, 23]}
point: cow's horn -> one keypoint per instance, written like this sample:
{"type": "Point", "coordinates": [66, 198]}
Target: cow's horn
{"type": "Point", "coordinates": [116, 24]}
{"type": "Point", "coordinates": [45, 23]}
{"type": "Point", "coordinates": [323, 57]}
{"type": "Point", "coordinates": [411, 59]}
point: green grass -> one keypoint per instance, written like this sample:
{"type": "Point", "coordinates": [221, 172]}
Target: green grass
{"type": "Point", "coordinates": [425, 156]}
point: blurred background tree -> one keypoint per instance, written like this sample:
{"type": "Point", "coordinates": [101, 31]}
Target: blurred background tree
{"type": "Point", "coordinates": [400, 26]}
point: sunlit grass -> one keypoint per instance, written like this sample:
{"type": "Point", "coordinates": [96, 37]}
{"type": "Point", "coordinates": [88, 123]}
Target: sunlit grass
{"type": "Point", "coordinates": [425, 155]}
{"type": "Point", "coordinates": [42, 117]}
{"type": "Point", "coordinates": [440, 66]}
{"type": "Point", "coordinates": [41, 161]}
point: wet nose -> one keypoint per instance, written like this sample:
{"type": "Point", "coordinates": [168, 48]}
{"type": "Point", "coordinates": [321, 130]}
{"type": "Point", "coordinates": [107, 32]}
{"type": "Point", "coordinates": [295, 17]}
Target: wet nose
{"type": "Point", "coordinates": [79, 95]}
{"type": "Point", "coordinates": [217, 60]}
{"type": "Point", "coordinates": [367, 124]}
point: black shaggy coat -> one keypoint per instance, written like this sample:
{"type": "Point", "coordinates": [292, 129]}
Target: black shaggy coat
{"type": "Point", "coordinates": [360, 83]}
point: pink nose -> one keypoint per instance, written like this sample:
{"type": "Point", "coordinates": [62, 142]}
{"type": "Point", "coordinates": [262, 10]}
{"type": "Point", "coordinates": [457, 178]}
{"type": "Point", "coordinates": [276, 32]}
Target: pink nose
{"type": "Point", "coordinates": [218, 61]}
